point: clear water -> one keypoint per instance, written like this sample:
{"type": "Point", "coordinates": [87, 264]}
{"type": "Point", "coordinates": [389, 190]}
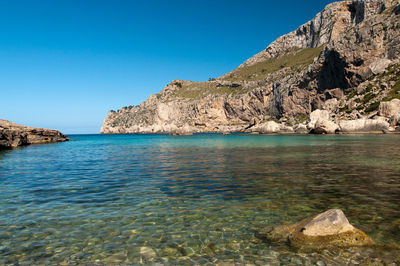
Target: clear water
{"type": "Point", "coordinates": [193, 199]}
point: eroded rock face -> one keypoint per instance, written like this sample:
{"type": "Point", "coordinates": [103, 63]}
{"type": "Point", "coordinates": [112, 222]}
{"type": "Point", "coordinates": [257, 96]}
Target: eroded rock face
{"type": "Point", "coordinates": [328, 229]}
{"type": "Point", "coordinates": [13, 135]}
{"type": "Point", "coordinates": [345, 62]}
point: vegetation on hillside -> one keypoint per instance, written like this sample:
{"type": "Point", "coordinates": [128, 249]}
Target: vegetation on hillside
{"type": "Point", "coordinates": [296, 60]}
{"type": "Point", "coordinates": [369, 99]}
{"type": "Point", "coordinates": [195, 90]}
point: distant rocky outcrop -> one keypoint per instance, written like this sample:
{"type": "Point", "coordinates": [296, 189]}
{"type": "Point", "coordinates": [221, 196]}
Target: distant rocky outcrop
{"type": "Point", "coordinates": [345, 62]}
{"type": "Point", "coordinates": [13, 135]}
{"type": "Point", "coordinates": [325, 230]}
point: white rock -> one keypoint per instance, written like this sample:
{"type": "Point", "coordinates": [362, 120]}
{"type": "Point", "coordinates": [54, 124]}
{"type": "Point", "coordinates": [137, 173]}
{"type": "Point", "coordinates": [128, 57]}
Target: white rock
{"type": "Point", "coordinates": [331, 222]}
{"type": "Point", "coordinates": [379, 66]}
{"type": "Point", "coordinates": [323, 126]}
{"type": "Point", "coordinates": [315, 116]}
{"type": "Point", "coordinates": [388, 109]}
{"type": "Point", "coordinates": [318, 114]}
{"type": "Point", "coordinates": [363, 125]}
{"type": "Point", "coordinates": [395, 120]}
{"type": "Point", "coordinates": [270, 127]}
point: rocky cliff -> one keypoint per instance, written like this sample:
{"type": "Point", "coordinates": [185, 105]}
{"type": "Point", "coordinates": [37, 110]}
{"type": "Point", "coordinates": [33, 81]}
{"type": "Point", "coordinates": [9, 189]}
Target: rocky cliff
{"type": "Point", "coordinates": [344, 62]}
{"type": "Point", "coordinates": [13, 135]}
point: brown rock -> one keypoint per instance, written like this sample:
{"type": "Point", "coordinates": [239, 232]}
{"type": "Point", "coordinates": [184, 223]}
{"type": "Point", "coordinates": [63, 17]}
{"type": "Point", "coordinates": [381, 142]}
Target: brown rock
{"type": "Point", "coordinates": [13, 135]}
{"type": "Point", "coordinates": [328, 229]}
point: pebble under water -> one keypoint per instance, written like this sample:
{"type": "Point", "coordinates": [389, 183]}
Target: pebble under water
{"type": "Point", "coordinates": [130, 199]}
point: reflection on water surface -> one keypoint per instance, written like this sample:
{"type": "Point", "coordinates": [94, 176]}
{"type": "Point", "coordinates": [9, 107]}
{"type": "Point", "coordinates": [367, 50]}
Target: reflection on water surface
{"type": "Point", "coordinates": [193, 199]}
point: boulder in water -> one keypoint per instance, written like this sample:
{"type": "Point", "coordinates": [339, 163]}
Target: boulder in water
{"type": "Point", "coordinates": [328, 229]}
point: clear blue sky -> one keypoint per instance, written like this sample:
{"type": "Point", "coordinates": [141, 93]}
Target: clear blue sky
{"type": "Point", "coordinates": [65, 64]}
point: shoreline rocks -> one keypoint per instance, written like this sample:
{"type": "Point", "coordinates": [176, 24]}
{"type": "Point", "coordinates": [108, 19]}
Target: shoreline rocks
{"type": "Point", "coordinates": [325, 230]}
{"type": "Point", "coordinates": [363, 126]}
{"type": "Point", "coordinates": [13, 135]}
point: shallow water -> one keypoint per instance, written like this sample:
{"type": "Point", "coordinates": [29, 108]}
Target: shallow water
{"type": "Point", "coordinates": [193, 199]}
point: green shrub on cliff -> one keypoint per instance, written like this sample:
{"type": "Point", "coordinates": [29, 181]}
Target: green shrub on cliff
{"type": "Point", "coordinates": [295, 61]}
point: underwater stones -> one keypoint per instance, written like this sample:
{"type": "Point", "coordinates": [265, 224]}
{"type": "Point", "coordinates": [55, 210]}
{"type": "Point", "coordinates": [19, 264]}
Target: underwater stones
{"type": "Point", "coordinates": [147, 252]}
{"type": "Point", "coordinates": [328, 229]}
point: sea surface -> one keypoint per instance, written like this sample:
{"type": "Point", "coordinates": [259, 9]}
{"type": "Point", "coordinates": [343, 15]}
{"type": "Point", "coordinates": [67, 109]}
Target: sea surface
{"type": "Point", "coordinates": [130, 199]}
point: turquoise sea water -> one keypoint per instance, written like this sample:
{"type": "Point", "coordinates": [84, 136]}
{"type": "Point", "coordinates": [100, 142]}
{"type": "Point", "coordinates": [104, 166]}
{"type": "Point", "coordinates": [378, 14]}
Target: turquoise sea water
{"type": "Point", "coordinates": [193, 199]}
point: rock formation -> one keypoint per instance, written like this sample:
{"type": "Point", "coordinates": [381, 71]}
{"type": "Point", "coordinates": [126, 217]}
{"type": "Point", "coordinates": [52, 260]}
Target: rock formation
{"type": "Point", "coordinates": [345, 61]}
{"type": "Point", "coordinates": [13, 135]}
{"type": "Point", "coordinates": [325, 230]}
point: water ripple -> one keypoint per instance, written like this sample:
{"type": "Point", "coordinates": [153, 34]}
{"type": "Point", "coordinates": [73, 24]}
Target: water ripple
{"type": "Point", "coordinates": [192, 199]}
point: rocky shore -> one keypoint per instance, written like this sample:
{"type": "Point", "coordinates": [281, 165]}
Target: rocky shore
{"type": "Point", "coordinates": [337, 73]}
{"type": "Point", "coordinates": [13, 135]}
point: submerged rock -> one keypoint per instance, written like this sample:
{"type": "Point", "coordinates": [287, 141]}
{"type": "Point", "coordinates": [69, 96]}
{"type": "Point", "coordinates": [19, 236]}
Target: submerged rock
{"type": "Point", "coordinates": [328, 229]}
{"type": "Point", "coordinates": [13, 135]}
{"type": "Point", "coordinates": [147, 252]}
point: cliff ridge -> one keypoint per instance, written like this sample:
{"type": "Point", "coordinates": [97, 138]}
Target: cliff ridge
{"type": "Point", "coordinates": [344, 61]}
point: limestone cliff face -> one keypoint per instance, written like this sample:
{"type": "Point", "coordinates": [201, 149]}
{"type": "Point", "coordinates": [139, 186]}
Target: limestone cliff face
{"type": "Point", "coordinates": [345, 60]}
{"type": "Point", "coordinates": [13, 135]}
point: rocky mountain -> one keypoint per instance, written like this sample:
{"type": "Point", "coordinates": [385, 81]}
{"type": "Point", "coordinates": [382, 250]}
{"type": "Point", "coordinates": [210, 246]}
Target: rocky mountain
{"type": "Point", "coordinates": [338, 72]}
{"type": "Point", "coordinates": [13, 135]}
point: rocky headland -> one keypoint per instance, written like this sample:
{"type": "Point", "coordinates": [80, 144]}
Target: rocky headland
{"type": "Point", "coordinates": [337, 73]}
{"type": "Point", "coordinates": [13, 135]}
